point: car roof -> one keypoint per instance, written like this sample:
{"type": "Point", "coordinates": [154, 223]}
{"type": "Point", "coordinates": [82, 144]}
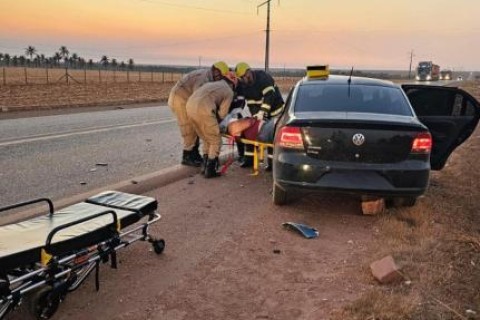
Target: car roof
{"type": "Point", "coordinates": [343, 80]}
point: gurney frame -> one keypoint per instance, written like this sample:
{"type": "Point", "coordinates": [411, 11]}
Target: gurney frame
{"type": "Point", "coordinates": [46, 283]}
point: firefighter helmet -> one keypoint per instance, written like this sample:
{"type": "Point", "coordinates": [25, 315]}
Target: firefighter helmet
{"type": "Point", "coordinates": [241, 69]}
{"type": "Point", "coordinates": [222, 67]}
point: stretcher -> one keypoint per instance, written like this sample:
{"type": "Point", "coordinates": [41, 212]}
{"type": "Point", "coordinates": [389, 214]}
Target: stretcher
{"type": "Point", "coordinates": [259, 149]}
{"type": "Point", "coordinates": [44, 258]}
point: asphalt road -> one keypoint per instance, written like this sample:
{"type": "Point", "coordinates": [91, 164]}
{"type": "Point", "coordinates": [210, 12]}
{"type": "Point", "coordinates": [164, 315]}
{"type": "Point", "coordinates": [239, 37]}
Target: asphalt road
{"type": "Point", "coordinates": [62, 155]}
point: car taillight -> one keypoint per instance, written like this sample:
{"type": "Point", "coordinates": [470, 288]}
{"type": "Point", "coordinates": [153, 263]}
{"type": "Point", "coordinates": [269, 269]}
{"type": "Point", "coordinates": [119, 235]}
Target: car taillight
{"type": "Point", "coordinates": [290, 137]}
{"type": "Point", "coordinates": [422, 143]}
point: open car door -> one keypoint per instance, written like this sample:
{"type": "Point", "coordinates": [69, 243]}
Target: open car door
{"type": "Point", "coordinates": [450, 114]}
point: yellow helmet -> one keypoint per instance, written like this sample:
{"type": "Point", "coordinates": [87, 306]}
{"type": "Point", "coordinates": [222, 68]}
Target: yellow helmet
{"type": "Point", "coordinates": [222, 67]}
{"type": "Point", "coordinates": [241, 69]}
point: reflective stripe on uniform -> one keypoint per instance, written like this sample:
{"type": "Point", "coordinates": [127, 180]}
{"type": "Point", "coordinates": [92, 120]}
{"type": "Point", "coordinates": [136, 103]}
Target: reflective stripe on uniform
{"type": "Point", "coordinates": [277, 112]}
{"type": "Point", "coordinates": [265, 107]}
{"type": "Point", "coordinates": [268, 89]}
{"type": "Point", "coordinates": [247, 153]}
{"type": "Point", "coordinates": [254, 101]}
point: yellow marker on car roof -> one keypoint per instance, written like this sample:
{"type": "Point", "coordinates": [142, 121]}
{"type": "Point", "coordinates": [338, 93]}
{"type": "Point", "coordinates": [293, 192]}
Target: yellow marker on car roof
{"type": "Point", "coordinates": [321, 71]}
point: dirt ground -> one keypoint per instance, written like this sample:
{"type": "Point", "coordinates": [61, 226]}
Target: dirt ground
{"type": "Point", "coordinates": [35, 97]}
{"type": "Point", "coordinates": [228, 256]}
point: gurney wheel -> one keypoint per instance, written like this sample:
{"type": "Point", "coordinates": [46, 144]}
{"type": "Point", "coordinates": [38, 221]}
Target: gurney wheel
{"type": "Point", "coordinates": [158, 246]}
{"type": "Point", "coordinates": [44, 303]}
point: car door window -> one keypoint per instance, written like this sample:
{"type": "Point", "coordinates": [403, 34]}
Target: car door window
{"type": "Point", "coordinates": [427, 104]}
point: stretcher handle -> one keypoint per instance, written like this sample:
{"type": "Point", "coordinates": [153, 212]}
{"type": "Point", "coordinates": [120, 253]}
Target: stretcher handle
{"type": "Point", "coordinates": [70, 224]}
{"type": "Point", "coordinates": [26, 203]}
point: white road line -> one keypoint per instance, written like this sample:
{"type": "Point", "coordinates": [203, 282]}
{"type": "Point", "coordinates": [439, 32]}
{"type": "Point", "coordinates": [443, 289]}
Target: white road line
{"type": "Point", "coordinates": [83, 132]}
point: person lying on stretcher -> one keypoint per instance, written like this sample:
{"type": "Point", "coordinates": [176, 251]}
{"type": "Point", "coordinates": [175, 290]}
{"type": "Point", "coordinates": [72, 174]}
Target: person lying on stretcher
{"type": "Point", "coordinates": [240, 124]}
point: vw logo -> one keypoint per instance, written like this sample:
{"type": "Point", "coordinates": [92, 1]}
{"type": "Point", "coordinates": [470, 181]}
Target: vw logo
{"type": "Point", "coordinates": [358, 139]}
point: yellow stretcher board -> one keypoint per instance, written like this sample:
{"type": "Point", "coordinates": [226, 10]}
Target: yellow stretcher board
{"type": "Point", "coordinates": [258, 151]}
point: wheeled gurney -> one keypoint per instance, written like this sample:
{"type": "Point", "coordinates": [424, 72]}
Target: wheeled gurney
{"type": "Point", "coordinates": [44, 258]}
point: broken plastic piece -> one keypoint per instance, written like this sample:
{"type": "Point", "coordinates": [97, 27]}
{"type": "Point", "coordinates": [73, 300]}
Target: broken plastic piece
{"type": "Point", "coordinates": [306, 231]}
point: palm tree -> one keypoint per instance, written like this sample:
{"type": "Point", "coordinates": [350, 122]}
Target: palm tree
{"type": "Point", "coordinates": [131, 63]}
{"type": "Point", "coordinates": [74, 59]}
{"type": "Point", "coordinates": [42, 59]}
{"type": "Point", "coordinates": [30, 51]}
{"type": "Point", "coordinates": [90, 63]}
{"type": "Point", "coordinates": [104, 61]}
{"type": "Point", "coordinates": [15, 61]}
{"type": "Point", "coordinates": [64, 53]}
{"type": "Point", "coordinates": [114, 63]}
{"type": "Point", "coordinates": [22, 60]}
{"type": "Point", "coordinates": [6, 59]}
{"type": "Point", "coordinates": [123, 65]}
{"type": "Point", "coordinates": [57, 57]}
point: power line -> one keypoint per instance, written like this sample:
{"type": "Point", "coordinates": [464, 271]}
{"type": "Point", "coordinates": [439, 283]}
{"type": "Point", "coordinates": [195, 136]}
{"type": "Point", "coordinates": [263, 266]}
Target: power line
{"type": "Point", "coordinates": [191, 7]}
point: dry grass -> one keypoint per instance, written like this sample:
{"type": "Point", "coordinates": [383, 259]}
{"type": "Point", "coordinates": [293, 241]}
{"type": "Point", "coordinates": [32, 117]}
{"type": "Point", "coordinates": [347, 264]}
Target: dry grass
{"type": "Point", "coordinates": [33, 76]}
{"type": "Point", "coordinates": [108, 89]}
{"type": "Point", "coordinates": [437, 244]}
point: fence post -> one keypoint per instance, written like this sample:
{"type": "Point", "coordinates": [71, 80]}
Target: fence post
{"type": "Point", "coordinates": [85, 75]}
{"type": "Point", "coordinates": [163, 76]}
{"type": "Point", "coordinates": [151, 76]}
{"type": "Point", "coordinates": [99, 76]}
{"type": "Point", "coordinates": [128, 76]}
{"type": "Point", "coordinates": [26, 78]}
{"type": "Point", "coordinates": [114, 75]}
{"type": "Point", "coordinates": [171, 77]}
{"type": "Point", "coordinates": [46, 72]}
{"type": "Point", "coordinates": [139, 76]}
{"type": "Point", "coordinates": [4, 77]}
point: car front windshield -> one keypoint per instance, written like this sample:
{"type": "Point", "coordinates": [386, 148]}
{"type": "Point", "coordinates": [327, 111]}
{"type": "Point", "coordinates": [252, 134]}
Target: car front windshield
{"type": "Point", "coordinates": [354, 98]}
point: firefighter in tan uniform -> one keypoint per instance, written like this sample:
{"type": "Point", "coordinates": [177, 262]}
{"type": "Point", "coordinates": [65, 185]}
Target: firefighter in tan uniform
{"type": "Point", "coordinates": [205, 109]}
{"type": "Point", "coordinates": [177, 101]}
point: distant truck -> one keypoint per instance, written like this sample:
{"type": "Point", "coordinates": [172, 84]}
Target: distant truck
{"type": "Point", "coordinates": [446, 75]}
{"type": "Point", "coordinates": [428, 71]}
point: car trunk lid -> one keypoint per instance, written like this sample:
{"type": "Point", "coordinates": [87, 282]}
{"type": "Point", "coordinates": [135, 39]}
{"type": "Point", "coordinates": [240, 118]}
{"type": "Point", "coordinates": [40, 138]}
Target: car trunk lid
{"type": "Point", "coordinates": [358, 137]}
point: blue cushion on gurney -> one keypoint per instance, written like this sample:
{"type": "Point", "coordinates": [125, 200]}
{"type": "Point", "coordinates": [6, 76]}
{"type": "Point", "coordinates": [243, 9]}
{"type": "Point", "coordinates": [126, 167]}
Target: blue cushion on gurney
{"type": "Point", "coordinates": [21, 243]}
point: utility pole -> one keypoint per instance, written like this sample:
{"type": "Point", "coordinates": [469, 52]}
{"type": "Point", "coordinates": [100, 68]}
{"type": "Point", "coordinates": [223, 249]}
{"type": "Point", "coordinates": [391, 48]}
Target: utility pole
{"type": "Point", "coordinates": [267, 30]}
{"type": "Point", "coordinates": [410, 69]}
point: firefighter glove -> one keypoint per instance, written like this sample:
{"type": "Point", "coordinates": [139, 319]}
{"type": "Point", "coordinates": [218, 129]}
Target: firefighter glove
{"type": "Point", "coordinates": [260, 115]}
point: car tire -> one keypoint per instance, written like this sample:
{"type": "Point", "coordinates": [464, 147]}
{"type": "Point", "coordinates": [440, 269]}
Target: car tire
{"type": "Point", "coordinates": [279, 195]}
{"type": "Point", "coordinates": [404, 201]}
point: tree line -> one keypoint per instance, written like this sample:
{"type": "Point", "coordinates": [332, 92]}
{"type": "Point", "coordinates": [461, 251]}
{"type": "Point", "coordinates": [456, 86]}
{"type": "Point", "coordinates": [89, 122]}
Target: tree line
{"type": "Point", "coordinates": [62, 58]}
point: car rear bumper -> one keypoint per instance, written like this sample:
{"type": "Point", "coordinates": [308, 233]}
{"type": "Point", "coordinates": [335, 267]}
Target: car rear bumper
{"type": "Point", "coordinates": [300, 172]}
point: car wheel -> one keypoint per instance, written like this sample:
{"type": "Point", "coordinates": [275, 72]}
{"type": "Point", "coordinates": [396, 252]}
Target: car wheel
{"type": "Point", "coordinates": [404, 201]}
{"type": "Point", "coordinates": [279, 196]}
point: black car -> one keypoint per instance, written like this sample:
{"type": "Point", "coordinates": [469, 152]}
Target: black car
{"type": "Point", "coordinates": [367, 136]}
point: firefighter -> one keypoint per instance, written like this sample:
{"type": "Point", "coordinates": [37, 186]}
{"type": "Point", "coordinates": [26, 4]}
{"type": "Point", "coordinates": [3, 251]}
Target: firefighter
{"type": "Point", "coordinates": [206, 108]}
{"type": "Point", "coordinates": [177, 101]}
{"type": "Point", "coordinates": [262, 97]}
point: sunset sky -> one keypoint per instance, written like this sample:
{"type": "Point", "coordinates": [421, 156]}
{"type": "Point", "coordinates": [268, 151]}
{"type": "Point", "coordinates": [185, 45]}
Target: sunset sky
{"type": "Point", "coordinates": [367, 34]}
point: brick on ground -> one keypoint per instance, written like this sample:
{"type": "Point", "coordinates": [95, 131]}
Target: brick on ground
{"type": "Point", "coordinates": [372, 207]}
{"type": "Point", "coordinates": [385, 270]}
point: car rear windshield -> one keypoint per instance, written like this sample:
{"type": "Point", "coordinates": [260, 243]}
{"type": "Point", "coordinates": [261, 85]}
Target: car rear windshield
{"type": "Point", "coordinates": [354, 98]}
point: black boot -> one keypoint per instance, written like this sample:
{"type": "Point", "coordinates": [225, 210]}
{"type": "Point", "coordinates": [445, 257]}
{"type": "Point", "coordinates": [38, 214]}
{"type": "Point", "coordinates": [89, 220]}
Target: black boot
{"type": "Point", "coordinates": [247, 162]}
{"type": "Point", "coordinates": [188, 160]}
{"type": "Point", "coordinates": [204, 163]}
{"type": "Point", "coordinates": [269, 165]}
{"type": "Point", "coordinates": [211, 169]}
{"type": "Point", "coordinates": [196, 155]}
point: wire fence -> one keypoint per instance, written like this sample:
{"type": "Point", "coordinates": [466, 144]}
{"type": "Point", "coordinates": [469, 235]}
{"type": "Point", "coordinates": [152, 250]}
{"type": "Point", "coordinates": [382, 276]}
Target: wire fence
{"type": "Point", "coordinates": [47, 76]}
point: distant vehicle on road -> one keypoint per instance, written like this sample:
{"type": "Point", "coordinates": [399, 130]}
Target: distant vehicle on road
{"type": "Point", "coordinates": [367, 137]}
{"type": "Point", "coordinates": [427, 71]}
{"type": "Point", "coordinates": [459, 78]}
{"type": "Point", "coordinates": [446, 75]}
